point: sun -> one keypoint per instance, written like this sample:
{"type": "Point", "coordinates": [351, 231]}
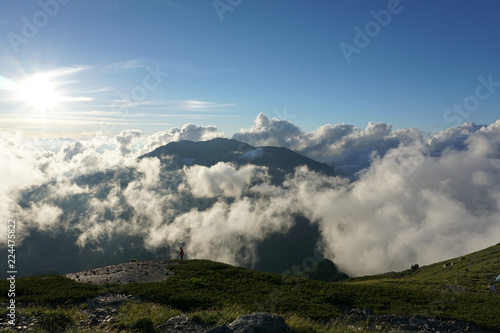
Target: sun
{"type": "Point", "coordinates": [39, 92]}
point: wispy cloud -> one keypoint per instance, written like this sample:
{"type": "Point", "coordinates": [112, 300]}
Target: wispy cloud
{"type": "Point", "coordinates": [79, 88]}
{"type": "Point", "coordinates": [65, 71]}
{"type": "Point", "coordinates": [200, 116]}
{"type": "Point", "coordinates": [193, 105]}
{"type": "Point", "coordinates": [76, 99]}
{"type": "Point", "coordinates": [124, 65]}
{"type": "Point", "coordinates": [99, 90]}
{"type": "Point", "coordinates": [125, 103]}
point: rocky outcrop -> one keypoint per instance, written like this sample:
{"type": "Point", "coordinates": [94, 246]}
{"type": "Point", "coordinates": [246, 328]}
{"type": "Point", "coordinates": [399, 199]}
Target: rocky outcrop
{"type": "Point", "coordinates": [259, 322]}
{"type": "Point", "coordinates": [134, 271]}
{"type": "Point", "coordinates": [94, 312]}
{"type": "Point", "coordinates": [357, 318]}
{"type": "Point", "coordinates": [181, 324]}
{"type": "Point", "coordinates": [102, 309]}
{"type": "Point", "coordinates": [220, 329]}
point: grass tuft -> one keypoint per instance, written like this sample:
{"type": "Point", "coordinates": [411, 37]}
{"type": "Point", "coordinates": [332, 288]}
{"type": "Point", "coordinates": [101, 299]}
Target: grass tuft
{"type": "Point", "coordinates": [215, 317]}
{"type": "Point", "coordinates": [142, 317]}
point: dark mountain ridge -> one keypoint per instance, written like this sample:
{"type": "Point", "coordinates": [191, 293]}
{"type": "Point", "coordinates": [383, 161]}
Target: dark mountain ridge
{"type": "Point", "coordinates": [280, 161]}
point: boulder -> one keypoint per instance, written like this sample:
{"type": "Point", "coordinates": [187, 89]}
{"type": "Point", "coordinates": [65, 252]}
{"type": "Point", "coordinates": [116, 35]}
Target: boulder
{"type": "Point", "coordinates": [220, 329]}
{"type": "Point", "coordinates": [259, 322]}
{"type": "Point", "coordinates": [181, 324]}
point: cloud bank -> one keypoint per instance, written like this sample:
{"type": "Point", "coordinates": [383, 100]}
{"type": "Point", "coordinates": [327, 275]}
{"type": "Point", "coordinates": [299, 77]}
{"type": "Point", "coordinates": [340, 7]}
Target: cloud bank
{"type": "Point", "coordinates": [342, 146]}
{"type": "Point", "coordinates": [399, 197]}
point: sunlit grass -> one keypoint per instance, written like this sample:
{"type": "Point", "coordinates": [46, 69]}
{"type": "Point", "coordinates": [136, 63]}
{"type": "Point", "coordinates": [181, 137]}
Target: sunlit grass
{"type": "Point", "coordinates": [142, 316]}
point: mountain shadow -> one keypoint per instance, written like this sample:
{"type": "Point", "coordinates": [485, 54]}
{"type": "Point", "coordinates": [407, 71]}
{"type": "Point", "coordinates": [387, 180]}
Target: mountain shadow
{"type": "Point", "coordinates": [280, 252]}
{"type": "Point", "coordinates": [324, 270]}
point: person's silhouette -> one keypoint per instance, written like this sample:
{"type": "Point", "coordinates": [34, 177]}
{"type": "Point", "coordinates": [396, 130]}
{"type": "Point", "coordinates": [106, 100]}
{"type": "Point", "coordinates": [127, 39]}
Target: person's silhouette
{"type": "Point", "coordinates": [182, 254]}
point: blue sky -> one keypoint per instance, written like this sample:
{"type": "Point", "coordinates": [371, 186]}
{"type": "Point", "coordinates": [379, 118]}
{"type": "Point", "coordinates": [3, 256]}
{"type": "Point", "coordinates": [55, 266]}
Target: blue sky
{"type": "Point", "coordinates": [151, 65]}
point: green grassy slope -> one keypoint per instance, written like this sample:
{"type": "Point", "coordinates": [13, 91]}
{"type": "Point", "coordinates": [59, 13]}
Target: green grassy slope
{"type": "Point", "coordinates": [470, 272]}
{"type": "Point", "coordinates": [48, 289]}
{"type": "Point", "coordinates": [460, 284]}
{"type": "Point", "coordinates": [454, 292]}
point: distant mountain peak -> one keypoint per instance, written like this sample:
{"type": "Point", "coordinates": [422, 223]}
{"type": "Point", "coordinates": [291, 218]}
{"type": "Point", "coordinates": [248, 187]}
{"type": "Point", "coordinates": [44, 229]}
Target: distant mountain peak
{"type": "Point", "coordinates": [279, 160]}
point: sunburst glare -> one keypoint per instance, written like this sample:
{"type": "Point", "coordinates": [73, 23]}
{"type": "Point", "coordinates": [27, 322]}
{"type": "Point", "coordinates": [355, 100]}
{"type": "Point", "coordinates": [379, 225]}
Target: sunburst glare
{"type": "Point", "coordinates": [39, 92]}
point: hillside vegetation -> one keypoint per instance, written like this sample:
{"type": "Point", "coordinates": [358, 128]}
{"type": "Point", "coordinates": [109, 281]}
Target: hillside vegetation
{"type": "Point", "coordinates": [459, 283]}
{"type": "Point", "coordinates": [455, 291]}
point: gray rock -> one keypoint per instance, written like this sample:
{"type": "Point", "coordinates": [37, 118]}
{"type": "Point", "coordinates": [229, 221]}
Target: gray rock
{"type": "Point", "coordinates": [181, 324]}
{"type": "Point", "coordinates": [178, 322]}
{"type": "Point", "coordinates": [417, 321]}
{"type": "Point", "coordinates": [93, 320]}
{"type": "Point", "coordinates": [147, 271]}
{"type": "Point", "coordinates": [401, 324]}
{"type": "Point", "coordinates": [259, 322]}
{"type": "Point", "coordinates": [220, 329]}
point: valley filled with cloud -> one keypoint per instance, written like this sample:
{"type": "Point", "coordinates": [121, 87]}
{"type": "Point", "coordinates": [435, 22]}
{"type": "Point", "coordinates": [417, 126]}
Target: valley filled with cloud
{"type": "Point", "coordinates": [394, 197]}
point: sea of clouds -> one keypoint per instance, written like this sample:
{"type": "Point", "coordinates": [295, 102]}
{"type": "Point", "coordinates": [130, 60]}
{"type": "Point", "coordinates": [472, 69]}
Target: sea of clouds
{"type": "Point", "coordinates": [400, 196]}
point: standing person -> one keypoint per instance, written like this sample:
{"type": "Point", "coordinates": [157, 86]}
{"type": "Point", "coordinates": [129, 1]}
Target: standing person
{"type": "Point", "coordinates": [181, 253]}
